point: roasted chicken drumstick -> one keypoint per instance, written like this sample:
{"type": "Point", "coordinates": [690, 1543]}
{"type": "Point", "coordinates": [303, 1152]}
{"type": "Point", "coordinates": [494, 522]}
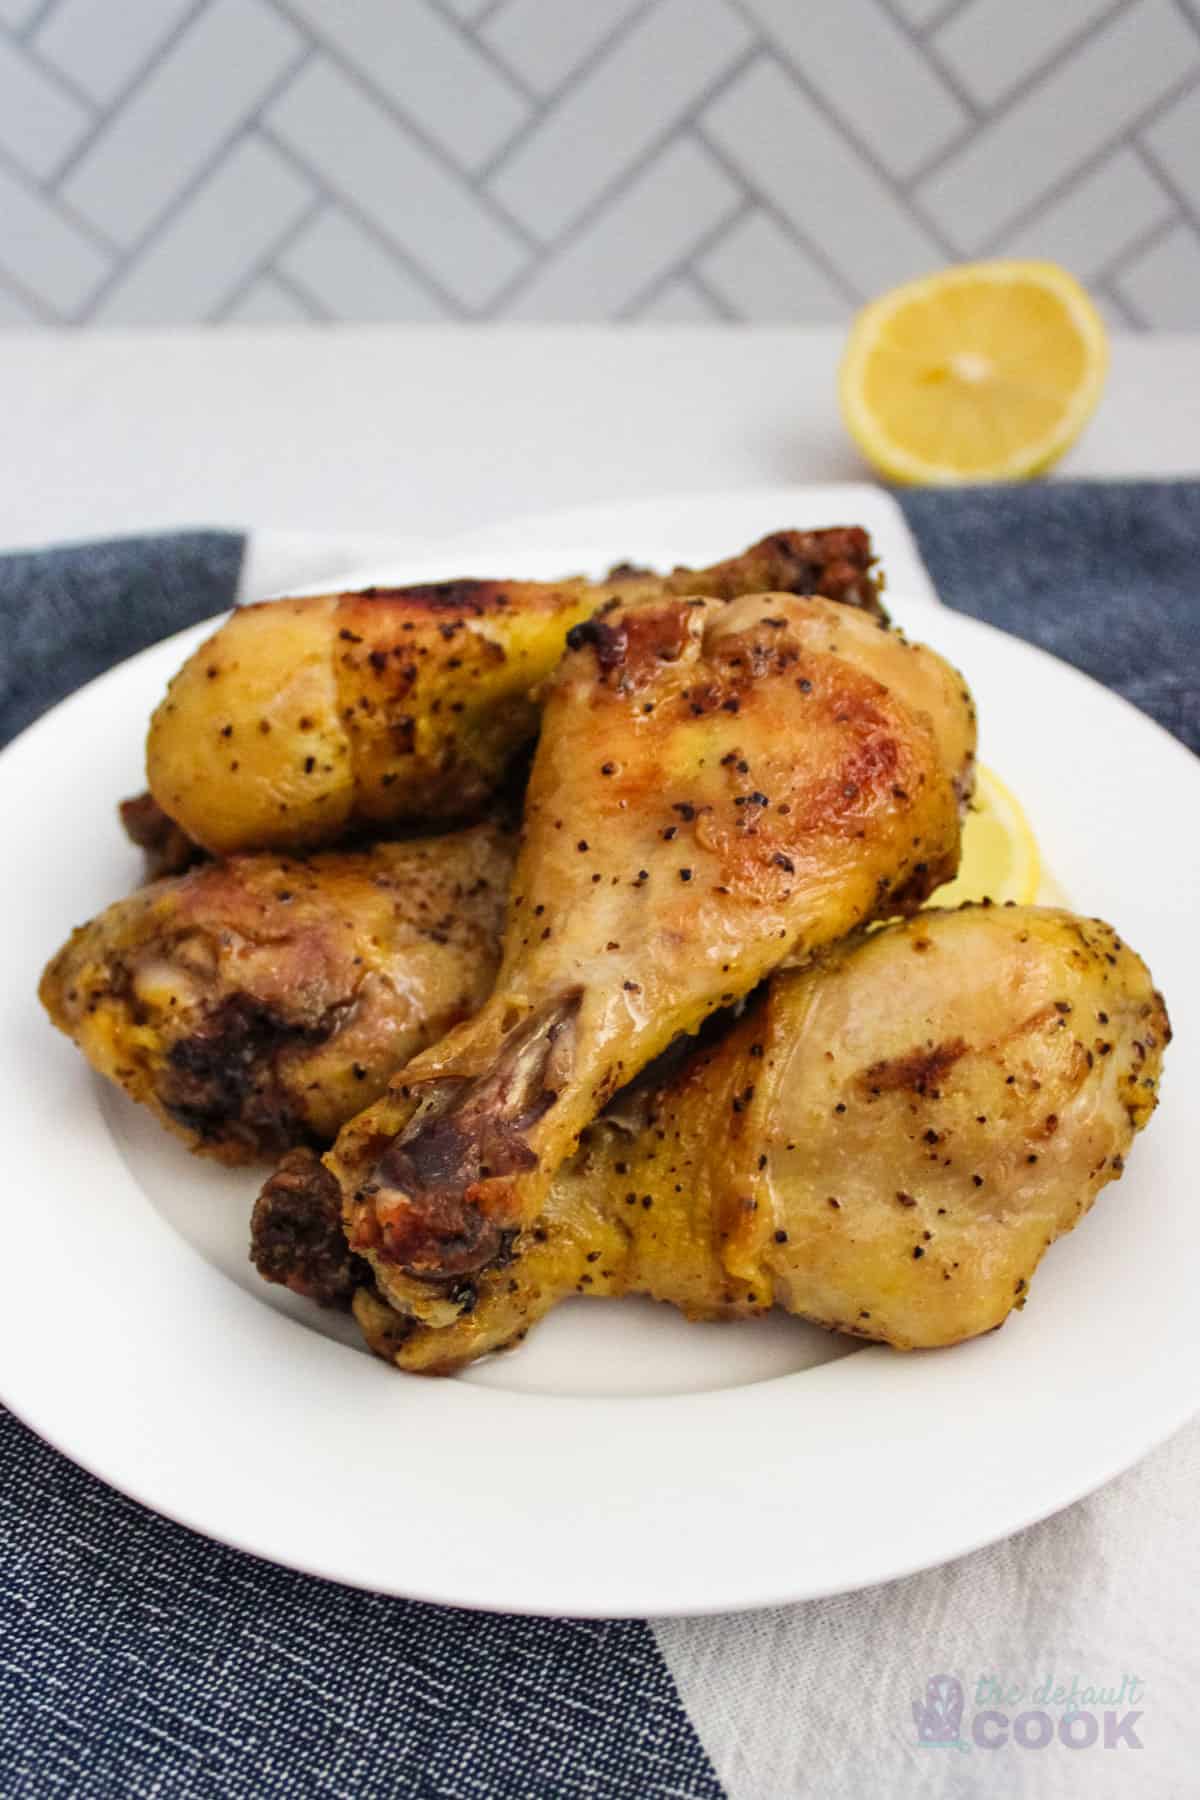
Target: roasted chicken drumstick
{"type": "Point", "coordinates": [260, 1003]}
{"type": "Point", "coordinates": [718, 789]}
{"type": "Point", "coordinates": [301, 720]}
{"type": "Point", "coordinates": [885, 1143]}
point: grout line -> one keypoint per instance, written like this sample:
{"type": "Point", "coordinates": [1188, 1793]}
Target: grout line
{"type": "Point", "coordinates": [408, 126]}
{"type": "Point", "coordinates": [330, 47]}
{"type": "Point", "coordinates": [1119, 304]}
{"type": "Point", "coordinates": [1146, 240]}
{"type": "Point", "coordinates": [618, 186]}
{"type": "Point", "coordinates": [948, 12]}
{"type": "Point", "coordinates": [921, 39]}
{"type": "Point", "coordinates": [683, 267]}
{"type": "Point", "coordinates": [906, 185]}
{"type": "Point", "coordinates": [976, 113]}
{"type": "Point", "coordinates": [321, 314]}
{"type": "Point", "coordinates": [215, 316]}
{"type": "Point", "coordinates": [371, 227]}
{"type": "Point", "coordinates": [1183, 200]}
{"type": "Point", "coordinates": [1189, 15]}
{"type": "Point", "coordinates": [242, 132]}
{"type": "Point", "coordinates": [1070, 178]}
{"type": "Point", "coordinates": [1136, 318]}
{"type": "Point", "coordinates": [686, 279]}
{"type": "Point", "coordinates": [844, 129]}
{"type": "Point", "coordinates": [317, 314]}
{"type": "Point", "coordinates": [34, 24]}
{"type": "Point", "coordinates": [1028, 84]}
{"type": "Point", "coordinates": [844, 126]}
{"type": "Point", "coordinates": [1185, 85]}
{"type": "Point", "coordinates": [1058, 190]}
{"type": "Point", "coordinates": [718, 301]}
{"type": "Point", "coordinates": [66, 82]}
{"type": "Point", "coordinates": [124, 94]}
{"type": "Point", "coordinates": [76, 220]}
{"type": "Point", "coordinates": [809, 246]}
{"type": "Point", "coordinates": [566, 87]}
{"type": "Point", "coordinates": [265, 264]}
{"type": "Point", "coordinates": [470, 34]}
{"type": "Point", "coordinates": [29, 298]}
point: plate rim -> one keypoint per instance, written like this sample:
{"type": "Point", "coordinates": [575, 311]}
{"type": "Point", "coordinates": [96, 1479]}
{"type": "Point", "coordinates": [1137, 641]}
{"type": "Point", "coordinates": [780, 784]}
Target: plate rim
{"type": "Point", "coordinates": [772, 1589]}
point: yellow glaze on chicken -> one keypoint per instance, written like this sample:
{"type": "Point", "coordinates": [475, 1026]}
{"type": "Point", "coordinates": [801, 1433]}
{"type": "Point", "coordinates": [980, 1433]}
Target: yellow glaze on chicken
{"type": "Point", "coordinates": [719, 789]}
{"type": "Point", "coordinates": [262, 1002]}
{"type": "Point", "coordinates": [886, 1143]}
{"type": "Point", "coordinates": [300, 720]}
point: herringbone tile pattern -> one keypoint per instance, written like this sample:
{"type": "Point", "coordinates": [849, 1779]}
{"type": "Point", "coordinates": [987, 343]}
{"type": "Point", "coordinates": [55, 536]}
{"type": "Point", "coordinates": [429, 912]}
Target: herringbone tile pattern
{"type": "Point", "coordinates": [667, 160]}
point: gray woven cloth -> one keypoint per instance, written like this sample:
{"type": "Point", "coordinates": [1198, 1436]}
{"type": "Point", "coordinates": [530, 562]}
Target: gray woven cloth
{"type": "Point", "coordinates": [68, 614]}
{"type": "Point", "coordinates": [139, 1659]}
{"type": "Point", "coordinates": [1105, 574]}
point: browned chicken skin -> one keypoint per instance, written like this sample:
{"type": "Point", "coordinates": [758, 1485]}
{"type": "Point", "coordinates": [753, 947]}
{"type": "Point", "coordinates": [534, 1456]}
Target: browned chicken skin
{"type": "Point", "coordinates": [885, 1143]}
{"type": "Point", "coordinates": [718, 789]}
{"type": "Point", "coordinates": [733, 780]}
{"type": "Point", "coordinates": [259, 1003]}
{"type": "Point", "coordinates": [301, 720]}
{"type": "Point", "coordinates": [296, 1236]}
{"type": "Point", "coordinates": [168, 850]}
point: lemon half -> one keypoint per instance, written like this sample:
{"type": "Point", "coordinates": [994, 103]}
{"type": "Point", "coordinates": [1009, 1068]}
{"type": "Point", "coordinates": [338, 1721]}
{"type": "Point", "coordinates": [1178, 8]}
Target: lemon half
{"type": "Point", "coordinates": [1000, 859]}
{"type": "Point", "coordinates": [983, 372]}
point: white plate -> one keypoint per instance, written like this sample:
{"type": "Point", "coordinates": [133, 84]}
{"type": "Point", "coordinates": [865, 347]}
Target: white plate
{"type": "Point", "coordinates": [621, 1462]}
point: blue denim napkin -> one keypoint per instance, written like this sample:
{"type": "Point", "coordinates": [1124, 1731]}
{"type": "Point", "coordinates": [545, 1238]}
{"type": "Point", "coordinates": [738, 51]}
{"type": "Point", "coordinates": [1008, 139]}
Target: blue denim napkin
{"type": "Point", "coordinates": [139, 1659]}
{"type": "Point", "coordinates": [1105, 574]}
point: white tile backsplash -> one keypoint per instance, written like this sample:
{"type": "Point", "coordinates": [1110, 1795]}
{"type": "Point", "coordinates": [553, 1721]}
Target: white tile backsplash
{"type": "Point", "coordinates": [468, 10]}
{"type": "Point", "coordinates": [17, 13]}
{"type": "Point", "coordinates": [190, 103]}
{"type": "Point", "coordinates": [352, 142]}
{"type": "Point", "coordinates": [1163, 284]}
{"type": "Point", "coordinates": [904, 119]}
{"type": "Point", "coordinates": [40, 120]}
{"type": "Point", "coordinates": [426, 70]}
{"type": "Point", "coordinates": [45, 251]}
{"type": "Point", "coordinates": [239, 212]}
{"type": "Point", "coordinates": [14, 311]}
{"type": "Point", "coordinates": [545, 42]}
{"type": "Point", "coordinates": [675, 202]}
{"type": "Point", "coordinates": [921, 14]}
{"type": "Point", "coordinates": [1098, 218]}
{"type": "Point", "coordinates": [663, 160]}
{"type": "Point", "coordinates": [350, 274]}
{"type": "Point", "coordinates": [101, 48]}
{"type": "Point", "coordinates": [762, 275]}
{"type": "Point", "coordinates": [784, 147]}
{"type": "Point", "coordinates": [600, 128]}
{"type": "Point", "coordinates": [1114, 81]}
{"type": "Point", "coordinates": [268, 302]}
{"type": "Point", "coordinates": [994, 44]}
{"type": "Point", "coordinates": [1174, 140]}
{"type": "Point", "coordinates": [680, 301]}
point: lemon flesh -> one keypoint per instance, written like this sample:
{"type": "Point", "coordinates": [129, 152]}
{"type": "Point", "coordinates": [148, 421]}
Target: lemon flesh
{"type": "Point", "coordinates": [1000, 859]}
{"type": "Point", "coordinates": [982, 372]}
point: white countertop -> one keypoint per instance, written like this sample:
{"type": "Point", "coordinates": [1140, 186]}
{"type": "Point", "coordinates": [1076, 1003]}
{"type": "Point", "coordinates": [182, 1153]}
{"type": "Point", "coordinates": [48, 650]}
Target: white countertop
{"type": "Point", "coordinates": [406, 430]}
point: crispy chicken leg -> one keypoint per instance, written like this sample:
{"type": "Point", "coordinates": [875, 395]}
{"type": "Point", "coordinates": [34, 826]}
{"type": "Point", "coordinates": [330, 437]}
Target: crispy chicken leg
{"type": "Point", "coordinates": [886, 1143]}
{"type": "Point", "coordinates": [300, 720]}
{"type": "Point", "coordinates": [718, 789]}
{"type": "Point", "coordinates": [260, 1003]}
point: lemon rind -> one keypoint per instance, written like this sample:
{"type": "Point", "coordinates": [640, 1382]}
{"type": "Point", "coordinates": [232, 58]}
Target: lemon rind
{"type": "Point", "coordinates": [898, 463]}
